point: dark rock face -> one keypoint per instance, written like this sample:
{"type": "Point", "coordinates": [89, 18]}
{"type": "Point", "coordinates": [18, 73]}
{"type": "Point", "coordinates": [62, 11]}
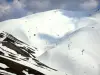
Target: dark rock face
{"type": "Point", "coordinates": [15, 53]}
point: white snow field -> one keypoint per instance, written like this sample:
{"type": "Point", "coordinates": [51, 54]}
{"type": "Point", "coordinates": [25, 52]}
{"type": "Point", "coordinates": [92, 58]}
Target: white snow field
{"type": "Point", "coordinates": [65, 43]}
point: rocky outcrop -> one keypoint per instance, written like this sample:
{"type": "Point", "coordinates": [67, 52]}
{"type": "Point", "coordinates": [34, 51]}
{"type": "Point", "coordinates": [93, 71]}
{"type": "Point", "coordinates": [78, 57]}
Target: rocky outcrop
{"type": "Point", "coordinates": [19, 57]}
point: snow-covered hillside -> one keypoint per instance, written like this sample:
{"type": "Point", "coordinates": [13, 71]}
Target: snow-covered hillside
{"type": "Point", "coordinates": [40, 30]}
{"type": "Point", "coordinates": [78, 53]}
{"type": "Point", "coordinates": [66, 43]}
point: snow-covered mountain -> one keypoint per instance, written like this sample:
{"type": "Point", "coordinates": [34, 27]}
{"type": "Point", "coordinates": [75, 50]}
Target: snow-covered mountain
{"type": "Point", "coordinates": [65, 43]}
{"type": "Point", "coordinates": [78, 53]}
{"type": "Point", "coordinates": [40, 30]}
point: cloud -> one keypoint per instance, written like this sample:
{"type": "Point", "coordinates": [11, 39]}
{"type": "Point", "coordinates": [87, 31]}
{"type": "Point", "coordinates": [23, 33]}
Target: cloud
{"type": "Point", "coordinates": [11, 10]}
{"type": "Point", "coordinates": [20, 8]}
{"type": "Point", "coordinates": [38, 5]}
{"type": "Point", "coordinates": [89, 4]}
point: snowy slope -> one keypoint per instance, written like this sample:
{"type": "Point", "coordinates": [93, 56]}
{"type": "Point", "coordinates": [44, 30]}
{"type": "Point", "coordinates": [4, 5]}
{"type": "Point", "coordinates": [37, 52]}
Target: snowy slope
{"type": "Point", "coordinates": [65, 43]}
{"type": "Point", "coordinates": [40, 30]}
{"type": "Point", "coordinates": [79, 52]}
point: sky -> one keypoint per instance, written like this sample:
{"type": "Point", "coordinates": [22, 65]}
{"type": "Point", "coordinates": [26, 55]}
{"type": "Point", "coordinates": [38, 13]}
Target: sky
{"type": "Point", "coordinates": [10, 9]}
